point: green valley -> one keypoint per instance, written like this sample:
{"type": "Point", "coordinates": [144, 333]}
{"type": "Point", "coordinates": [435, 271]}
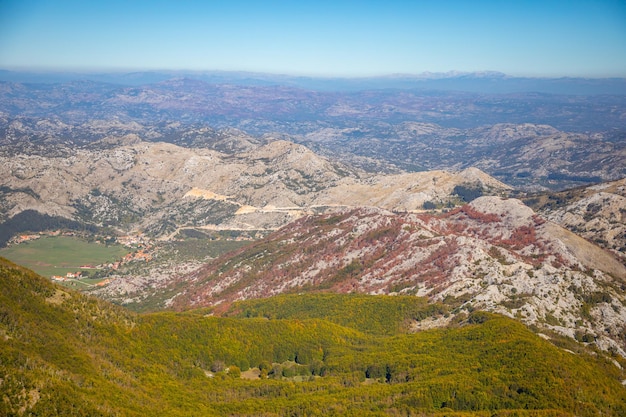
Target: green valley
{"type": "Point", "coordinates": [58, 255]}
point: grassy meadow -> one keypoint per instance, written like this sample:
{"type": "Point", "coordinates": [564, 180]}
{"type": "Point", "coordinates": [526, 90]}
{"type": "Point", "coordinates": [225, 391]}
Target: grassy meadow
{"type": "Point", "coordinates": [58, 255]}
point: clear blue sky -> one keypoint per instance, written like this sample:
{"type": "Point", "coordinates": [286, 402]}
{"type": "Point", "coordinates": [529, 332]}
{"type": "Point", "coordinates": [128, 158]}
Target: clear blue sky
{"type": "Point", "coordinates": [327, 38]}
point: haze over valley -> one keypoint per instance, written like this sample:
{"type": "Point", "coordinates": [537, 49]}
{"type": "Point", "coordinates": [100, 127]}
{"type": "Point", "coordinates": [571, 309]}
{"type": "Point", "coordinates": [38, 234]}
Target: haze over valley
{"type": "Point", "coordinates": [306, 209]}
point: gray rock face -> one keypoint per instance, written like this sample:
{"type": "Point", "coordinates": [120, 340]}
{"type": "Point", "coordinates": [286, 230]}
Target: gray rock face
{"type": "Point", "coordinates": [597, 213]}
{"type": "Point", "coordinates": [144, 185]}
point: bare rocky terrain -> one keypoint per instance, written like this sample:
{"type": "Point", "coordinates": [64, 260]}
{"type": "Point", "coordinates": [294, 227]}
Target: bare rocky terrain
{"type": "Point", "coordinates": [157, 188]}
{"type": "Point", "coordinates": [597, 213]}
{"type": "Point", "coordinates": [494, 254]}
{"type": "Point", "coordinates": [528, 156]}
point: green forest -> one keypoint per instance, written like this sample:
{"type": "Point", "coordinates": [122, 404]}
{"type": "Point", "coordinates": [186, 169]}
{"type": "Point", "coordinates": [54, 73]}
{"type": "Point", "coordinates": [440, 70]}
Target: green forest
{"type": "Point", "coordinates": [66, 354]}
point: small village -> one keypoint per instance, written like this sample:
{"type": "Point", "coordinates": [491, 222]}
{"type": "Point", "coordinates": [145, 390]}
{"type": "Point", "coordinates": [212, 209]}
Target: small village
{"type": "Point", "coordinates": [143, 254]}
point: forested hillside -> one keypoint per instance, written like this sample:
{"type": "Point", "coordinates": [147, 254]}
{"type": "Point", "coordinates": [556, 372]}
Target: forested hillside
{"type": "Point", "coordinates": [62, 353]}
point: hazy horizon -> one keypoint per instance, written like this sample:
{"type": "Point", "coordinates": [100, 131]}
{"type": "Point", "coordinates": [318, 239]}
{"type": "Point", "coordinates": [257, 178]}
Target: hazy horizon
{"type": "Point", "coordinates": [346, 39]}
{"type": "Point", "coordinates": [184, 72]}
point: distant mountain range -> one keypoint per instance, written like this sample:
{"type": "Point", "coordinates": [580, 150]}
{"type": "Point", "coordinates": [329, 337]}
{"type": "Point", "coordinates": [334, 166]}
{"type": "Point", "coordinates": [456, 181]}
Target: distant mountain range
{"type": "Point", "coordinates": [489, 82]}
{"type": "Point", "coordinates": [530, 140]}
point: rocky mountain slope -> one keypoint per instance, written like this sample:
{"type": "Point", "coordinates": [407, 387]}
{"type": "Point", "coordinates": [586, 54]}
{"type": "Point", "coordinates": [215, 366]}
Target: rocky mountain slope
{"type": "Point", "coordinates": [344, 173]}
{"type": "Point", "coordinates": [159, 187]}
{"type": "Point", "coordinates": [597, 213]}
{"type": "Point", "coordinates": [494, 254]}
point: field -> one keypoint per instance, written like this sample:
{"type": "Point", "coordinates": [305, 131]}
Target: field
{"type": "Point", "coordinates": [58, 255]}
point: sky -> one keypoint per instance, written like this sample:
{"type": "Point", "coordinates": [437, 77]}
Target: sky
{"type": "Point", "coordinates": [547, 38]}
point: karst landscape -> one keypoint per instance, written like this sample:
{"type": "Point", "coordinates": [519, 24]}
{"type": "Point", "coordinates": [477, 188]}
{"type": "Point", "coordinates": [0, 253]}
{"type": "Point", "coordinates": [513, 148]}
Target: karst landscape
{"type": "Point", "coordinates": [281, 247]}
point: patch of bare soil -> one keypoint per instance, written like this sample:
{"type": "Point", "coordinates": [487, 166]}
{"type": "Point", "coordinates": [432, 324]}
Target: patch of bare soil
{"type": "Point", "coordinates": [252, 373]}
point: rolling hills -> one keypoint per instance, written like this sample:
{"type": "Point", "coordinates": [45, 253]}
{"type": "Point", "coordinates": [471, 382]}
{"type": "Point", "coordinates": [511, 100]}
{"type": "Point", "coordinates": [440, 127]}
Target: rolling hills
{"type": "Point", "coordinates": [63, 353]}
{"type": "Point", "coordinates": [564, 139]}
{"type": "Point", "coordinates": [494, 254]}
{"type": "Point", "coordinates": [316, 251]}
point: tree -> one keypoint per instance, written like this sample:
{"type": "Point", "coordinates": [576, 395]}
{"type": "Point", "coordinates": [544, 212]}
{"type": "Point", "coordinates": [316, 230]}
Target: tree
{"type": "Point", "coordinates": [234, 371]}
{"type": "Point", "coordinates": [468, 193]}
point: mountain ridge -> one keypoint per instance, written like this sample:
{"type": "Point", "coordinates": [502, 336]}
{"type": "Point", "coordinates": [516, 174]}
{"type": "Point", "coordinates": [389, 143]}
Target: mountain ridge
{"type": "Point", "coordinates": [494, 254]}
{"type": "Point", "coordinates": [483, 81]}
{"type": "Point", "coordinates": [565, 140]}
{"type": "Point", "coordinates": [374, 174]}
{"type": "Point", "coordinates": [142, 184]}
